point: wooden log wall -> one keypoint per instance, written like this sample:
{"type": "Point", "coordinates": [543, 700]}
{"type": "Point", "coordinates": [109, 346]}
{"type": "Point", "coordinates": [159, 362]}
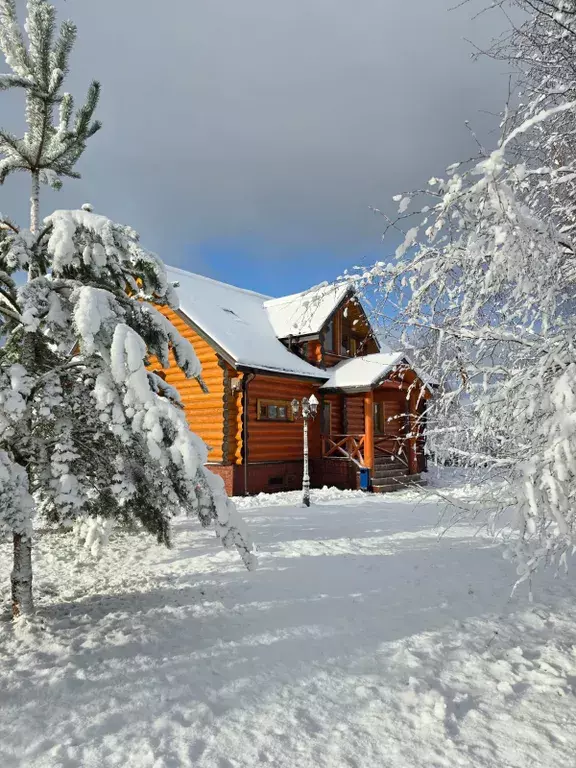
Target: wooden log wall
{"type": "Point", "coordinates": [355, 414]}
{"type": "Point", "coordinates": [330, 359]}
{"type": "Point", "coordinates": [396, 406]}
{"type": "Point", "coordinates": [279, 440]}
{"type": "Point", "coordinates": [236, 417]}
{"type": "Point", "coordinates": [204, 411]}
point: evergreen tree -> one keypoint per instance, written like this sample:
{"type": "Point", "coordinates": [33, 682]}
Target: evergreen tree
{"type": "Point", "coordinates": [87, 433]}
{"type": "Point", "coordinates": [48, 150]}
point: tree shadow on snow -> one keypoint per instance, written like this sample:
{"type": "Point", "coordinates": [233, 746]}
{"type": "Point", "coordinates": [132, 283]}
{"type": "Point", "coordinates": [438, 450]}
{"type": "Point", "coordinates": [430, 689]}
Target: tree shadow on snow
{"type": "Point", "coordinates": [351, 582]}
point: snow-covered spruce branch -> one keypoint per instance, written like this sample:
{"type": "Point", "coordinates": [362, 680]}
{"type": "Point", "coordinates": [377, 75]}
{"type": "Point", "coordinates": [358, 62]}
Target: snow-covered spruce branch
{"type": "Point", "coordinates": [107, 436]}
{"type": "Point", "coordinates": [86, 431]}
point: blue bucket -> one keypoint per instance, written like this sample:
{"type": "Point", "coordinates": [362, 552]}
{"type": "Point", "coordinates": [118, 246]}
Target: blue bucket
{"type": "Point", "coordinates": [364, 479]}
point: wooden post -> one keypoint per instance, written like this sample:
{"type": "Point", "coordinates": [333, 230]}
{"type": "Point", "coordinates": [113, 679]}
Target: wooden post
{"type": "Point", "coordinates": [369, 430]}
{"type": "Point", "coordinates": [413, 440]}
{"type": "Point", "coordinates": [338, 332]}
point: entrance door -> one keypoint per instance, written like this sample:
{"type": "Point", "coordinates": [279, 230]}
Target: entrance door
{"type": "Point", "coordinates": [391, 425]}
{"type": "Point", "coordinates": [326, 418]}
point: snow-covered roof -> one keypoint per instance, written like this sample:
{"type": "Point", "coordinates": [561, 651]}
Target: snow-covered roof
{"type": "Point", "coordinates": [303, 314]}
{"type": "Point", "coordinates": [362, 372]}
{"type": "Point", "coordinates": [238, 322]}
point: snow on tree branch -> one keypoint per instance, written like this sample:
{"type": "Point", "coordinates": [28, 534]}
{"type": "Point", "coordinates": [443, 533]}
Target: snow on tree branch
{"type": "Point", "coordinates": [85, 380]}
{"type": "Point", "coordinates": [483, 291]}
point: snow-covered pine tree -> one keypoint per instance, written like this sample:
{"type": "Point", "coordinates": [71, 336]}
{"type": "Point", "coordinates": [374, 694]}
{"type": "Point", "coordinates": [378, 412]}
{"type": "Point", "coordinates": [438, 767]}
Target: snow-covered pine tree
{"type": "Point", "coordinates": [48, 150]}
{"type": "Point", "coordinates": [86, 431]}
{"type": "Point", "coordinates": [488, 266]}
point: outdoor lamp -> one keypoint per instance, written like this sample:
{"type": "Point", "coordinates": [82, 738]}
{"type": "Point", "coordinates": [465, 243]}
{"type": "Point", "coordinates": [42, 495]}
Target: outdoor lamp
{"type": "Point", "coordinates": [309, 407]}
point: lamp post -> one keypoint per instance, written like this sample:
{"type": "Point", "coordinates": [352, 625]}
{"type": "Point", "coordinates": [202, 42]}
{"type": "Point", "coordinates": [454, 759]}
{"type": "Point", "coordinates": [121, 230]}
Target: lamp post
{"type": "Point", "coordinates": [308, 408]}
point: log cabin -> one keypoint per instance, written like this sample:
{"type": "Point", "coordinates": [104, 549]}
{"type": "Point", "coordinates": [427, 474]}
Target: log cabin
{"type": "Point", "coordinates": [259, 353]}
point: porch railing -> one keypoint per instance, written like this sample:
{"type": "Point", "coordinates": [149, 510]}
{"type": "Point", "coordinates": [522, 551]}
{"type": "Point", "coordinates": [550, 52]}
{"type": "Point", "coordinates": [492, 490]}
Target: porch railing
{"type": "Point", "coordinates": [392, 445]}
{"type": "Point", "coordinates": [351, 447]}
{"type": "Point", "coordinates": [344, 447]}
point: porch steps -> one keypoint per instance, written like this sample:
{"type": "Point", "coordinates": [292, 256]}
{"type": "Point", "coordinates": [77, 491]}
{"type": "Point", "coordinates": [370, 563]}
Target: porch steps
{"type": "Point", "coordinates": [398, 483]}
{"type": "Point", "coordinates": [392, 475]}
{"type": "Point", "coordinates": [381, 473]}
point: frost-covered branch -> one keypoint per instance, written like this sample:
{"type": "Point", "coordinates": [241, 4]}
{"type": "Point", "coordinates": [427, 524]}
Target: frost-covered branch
{"type": "Point", "coordinates": [483, 288]}
{"type": "Point", "coordinates": [88, 436]}
{"type": "Point", "coordinates": [49, 150]}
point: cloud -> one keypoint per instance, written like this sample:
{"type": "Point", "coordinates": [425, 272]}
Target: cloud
{"type": "Point", "coordinates": [279, 121]}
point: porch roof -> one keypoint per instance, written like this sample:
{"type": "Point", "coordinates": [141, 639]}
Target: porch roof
{"type": "Point", "coordinates": [362, 372]}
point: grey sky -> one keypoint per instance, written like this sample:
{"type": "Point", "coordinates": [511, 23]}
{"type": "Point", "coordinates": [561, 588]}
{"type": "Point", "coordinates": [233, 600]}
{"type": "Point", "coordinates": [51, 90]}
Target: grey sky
{"type": "Point", "coordinates": [265, 125]}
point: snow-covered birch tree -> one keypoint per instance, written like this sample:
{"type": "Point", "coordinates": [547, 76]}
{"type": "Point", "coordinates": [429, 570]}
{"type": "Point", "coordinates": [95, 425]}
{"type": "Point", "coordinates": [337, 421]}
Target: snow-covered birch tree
{"type": "Point", "coordinates": [486, 276]}
{"type": "Point", "coordinates": [87, 432]}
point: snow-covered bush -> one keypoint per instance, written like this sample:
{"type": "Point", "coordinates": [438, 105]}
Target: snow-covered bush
{"type": "Point", "coordinates": [86, 431]}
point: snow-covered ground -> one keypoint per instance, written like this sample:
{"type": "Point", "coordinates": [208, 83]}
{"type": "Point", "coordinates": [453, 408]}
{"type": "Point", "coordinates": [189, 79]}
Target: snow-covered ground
{"type": "Point", "coordinates": [364, 640]}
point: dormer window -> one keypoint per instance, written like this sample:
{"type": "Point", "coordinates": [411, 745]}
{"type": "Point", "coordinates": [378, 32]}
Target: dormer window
{"type": "Point", "coordinates": [329, 337]}
{"type": "Point", "coordinates": [349, 346]}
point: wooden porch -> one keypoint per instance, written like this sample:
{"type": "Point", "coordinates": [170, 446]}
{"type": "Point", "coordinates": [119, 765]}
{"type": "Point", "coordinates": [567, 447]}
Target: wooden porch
{"type": "Point", "coordinates": [392, 449]}
{"type": "Point", "coordinates": [390, 469]}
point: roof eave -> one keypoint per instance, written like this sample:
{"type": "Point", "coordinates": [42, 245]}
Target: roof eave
{"type": "Point", "coordinates": [248, 368]}
{"type": "Point", "coordinates": [226, 356]}
{"type": "Point", "coordinates": [236, 364]}
{"type": "Point", "coordinates": [300, 337]}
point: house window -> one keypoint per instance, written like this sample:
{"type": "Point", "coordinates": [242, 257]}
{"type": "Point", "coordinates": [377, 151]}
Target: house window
{"type": "Point", "coordinates": [326, 418]}
{"type": "Point", "coordinates": [349, 345]}
{"type": "Point", "coordinates": [379, 418]}
{"type": "Point", "coordinates": [329, 337]}
{"type": "Point", "coordinates": [274, 410]}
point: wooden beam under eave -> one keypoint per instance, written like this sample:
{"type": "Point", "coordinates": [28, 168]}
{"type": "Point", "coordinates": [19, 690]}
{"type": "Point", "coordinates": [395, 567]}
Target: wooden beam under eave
{"type": "Point", "coordinates": [413, 441]}
{"type": "Point", "coordinates": [369, 429]}
{"type": "Point", "coordinates": [315, 352]}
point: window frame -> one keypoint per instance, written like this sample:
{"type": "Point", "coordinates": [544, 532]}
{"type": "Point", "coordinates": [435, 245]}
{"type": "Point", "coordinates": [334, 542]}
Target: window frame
{"type": "Point", "coordinates": [326, 404]}
{"type": "Point", "coordinates": [380, 419]}
{"type": "Point", "coordinates": [271, 403]}
{"type": "Point", "coordinates": [330, 337]}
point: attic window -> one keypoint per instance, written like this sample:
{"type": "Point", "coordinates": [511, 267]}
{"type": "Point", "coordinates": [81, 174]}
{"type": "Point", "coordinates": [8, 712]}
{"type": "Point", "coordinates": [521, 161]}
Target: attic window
{"type": "Point", "coordinates": [329, 337]}
{"type": "Point", "coordinates": [349, 345]}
